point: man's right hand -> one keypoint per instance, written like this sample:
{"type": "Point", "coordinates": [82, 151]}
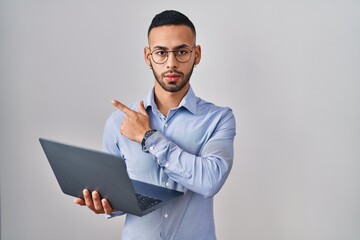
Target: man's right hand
{"type": "Point", "coordinates": [94, 202]}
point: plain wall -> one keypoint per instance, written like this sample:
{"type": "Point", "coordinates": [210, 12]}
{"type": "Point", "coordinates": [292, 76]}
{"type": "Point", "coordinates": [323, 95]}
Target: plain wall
{"type": "Point", "coordinates": [290, 70]}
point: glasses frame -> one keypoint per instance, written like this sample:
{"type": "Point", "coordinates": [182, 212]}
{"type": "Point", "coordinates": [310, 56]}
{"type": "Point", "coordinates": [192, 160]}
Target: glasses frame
{"type": "Point", "coordinates": [168, 52]}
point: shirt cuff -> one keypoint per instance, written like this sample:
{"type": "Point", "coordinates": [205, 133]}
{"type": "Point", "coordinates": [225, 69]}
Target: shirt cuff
{"type": "Point", "coordinates": [164, 151]}
{"type": "Point", "coordinates": [156, 144]}
{"type": "Point", "coordinates": [114, 214]}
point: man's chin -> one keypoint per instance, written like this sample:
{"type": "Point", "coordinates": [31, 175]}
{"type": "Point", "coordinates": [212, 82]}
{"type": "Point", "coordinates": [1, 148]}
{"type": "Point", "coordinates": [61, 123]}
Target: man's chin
{"type": "Point", "coordinates": [171, 86]}
{"type": "Point", "coordinates": [172, 89]}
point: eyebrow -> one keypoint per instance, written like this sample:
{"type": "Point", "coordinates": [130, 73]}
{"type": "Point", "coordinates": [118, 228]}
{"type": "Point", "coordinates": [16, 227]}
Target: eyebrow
{"type": "Point", "coordinates": [177, 47]}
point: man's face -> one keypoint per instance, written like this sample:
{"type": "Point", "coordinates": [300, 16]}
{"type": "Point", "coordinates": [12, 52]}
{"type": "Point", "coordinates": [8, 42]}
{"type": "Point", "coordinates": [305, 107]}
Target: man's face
{"type": "Point", "coordinates": [172, 76]}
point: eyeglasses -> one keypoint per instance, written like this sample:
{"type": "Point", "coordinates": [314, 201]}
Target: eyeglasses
{"type": "Point", "coordinates": [182, 55]}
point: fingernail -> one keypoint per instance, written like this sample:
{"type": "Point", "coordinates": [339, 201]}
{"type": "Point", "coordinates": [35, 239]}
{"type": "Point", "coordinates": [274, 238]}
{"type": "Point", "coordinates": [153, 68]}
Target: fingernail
{"type": "Point", "coordinates": [95, 195]}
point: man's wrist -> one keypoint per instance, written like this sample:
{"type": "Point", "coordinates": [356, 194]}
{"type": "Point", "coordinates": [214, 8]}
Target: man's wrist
{"type": "Point", "coordinates": [146, 136]}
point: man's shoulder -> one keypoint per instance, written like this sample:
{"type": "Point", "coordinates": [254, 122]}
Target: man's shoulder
{"type": "Point", "coordinates": [204, 106]}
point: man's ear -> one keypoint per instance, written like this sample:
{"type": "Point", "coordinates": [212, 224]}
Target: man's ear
{"type": "Point", "coordinates": [147, 56]}
{"type": "Point", "coordinates": [197, 54]}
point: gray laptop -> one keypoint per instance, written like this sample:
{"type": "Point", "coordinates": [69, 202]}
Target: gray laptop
{"type": "Point", "coordinates": [78, 168]}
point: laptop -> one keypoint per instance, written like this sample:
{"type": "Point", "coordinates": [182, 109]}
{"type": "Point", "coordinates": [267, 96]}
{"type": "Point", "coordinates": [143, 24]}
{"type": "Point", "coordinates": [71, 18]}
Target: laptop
{"type": "Point", "coordinates": [77, 168]}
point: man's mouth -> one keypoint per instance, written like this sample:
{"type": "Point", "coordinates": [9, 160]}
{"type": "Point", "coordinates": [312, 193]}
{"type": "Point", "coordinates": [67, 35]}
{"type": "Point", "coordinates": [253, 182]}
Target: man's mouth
{"type": "Point", "coordinates": [172, 77]}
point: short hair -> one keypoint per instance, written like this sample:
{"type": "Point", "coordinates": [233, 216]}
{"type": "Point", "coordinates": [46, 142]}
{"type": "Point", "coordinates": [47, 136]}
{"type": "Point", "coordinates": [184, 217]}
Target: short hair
{"type": "Point", "coordinates": [171, 17]}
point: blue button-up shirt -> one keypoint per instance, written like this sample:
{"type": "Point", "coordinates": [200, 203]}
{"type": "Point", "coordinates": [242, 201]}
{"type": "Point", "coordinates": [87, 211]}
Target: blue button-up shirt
{"type": "Point", "coordinates": [192, 151]}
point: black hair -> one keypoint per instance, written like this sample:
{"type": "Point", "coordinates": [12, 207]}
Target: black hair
{"type": "Point", "coordinates": [171, 17]}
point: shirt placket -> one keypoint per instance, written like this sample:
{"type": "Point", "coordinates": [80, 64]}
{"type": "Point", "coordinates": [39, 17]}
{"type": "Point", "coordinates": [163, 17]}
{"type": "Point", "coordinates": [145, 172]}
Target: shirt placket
{"type": "Point", "coordinates": [167, 183]}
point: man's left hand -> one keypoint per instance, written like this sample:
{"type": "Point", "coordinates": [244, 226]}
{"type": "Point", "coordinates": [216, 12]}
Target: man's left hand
{"type": "Point", "coordinates": [135, 124]}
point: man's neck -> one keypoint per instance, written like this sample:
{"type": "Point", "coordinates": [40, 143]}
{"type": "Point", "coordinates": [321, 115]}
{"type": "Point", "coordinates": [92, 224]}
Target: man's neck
{"type": "Point", "coordinates": [168, 100]}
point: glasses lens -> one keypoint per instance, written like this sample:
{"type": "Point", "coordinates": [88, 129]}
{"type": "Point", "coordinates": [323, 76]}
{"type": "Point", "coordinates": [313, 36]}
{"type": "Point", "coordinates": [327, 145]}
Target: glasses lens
{"type": "Point", "coordinates": [159, 56]}
{"type": "Point", "coordinates": [183, 55]}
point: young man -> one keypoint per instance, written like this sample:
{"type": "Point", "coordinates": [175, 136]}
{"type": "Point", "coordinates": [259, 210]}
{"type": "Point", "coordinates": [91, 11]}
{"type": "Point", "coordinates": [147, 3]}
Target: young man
{"type": "Point", "coordinates": [171, 138]}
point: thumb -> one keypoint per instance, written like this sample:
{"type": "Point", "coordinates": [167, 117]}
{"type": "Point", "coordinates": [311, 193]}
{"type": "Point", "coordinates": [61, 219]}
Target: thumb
{"type": "Point", "coordinates": [142, 109]}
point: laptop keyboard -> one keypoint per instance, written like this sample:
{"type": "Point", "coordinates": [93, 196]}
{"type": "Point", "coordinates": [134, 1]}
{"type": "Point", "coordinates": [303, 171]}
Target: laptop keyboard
{"type": "Point", "coordinates": [146, 202]}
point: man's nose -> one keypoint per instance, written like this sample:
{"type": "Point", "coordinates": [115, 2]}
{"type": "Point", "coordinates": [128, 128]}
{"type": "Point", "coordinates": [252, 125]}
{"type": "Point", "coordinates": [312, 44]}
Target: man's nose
{"type": "Point", "coordinates": [172, 62]}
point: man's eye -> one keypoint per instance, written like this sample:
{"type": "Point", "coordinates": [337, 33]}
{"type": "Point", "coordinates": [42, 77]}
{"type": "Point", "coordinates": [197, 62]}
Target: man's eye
{"type": "Point", "coordinates": [160, 53]}
{"type": "Point", "coordinates": [182, 52]}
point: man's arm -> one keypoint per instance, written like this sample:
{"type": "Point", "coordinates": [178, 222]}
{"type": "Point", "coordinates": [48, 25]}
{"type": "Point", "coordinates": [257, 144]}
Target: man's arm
{"type": "Point", "coordinates": [204, 174]}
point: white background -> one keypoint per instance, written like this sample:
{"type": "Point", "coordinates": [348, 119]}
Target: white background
{"type": "Point", "coordinates": [290, 70]}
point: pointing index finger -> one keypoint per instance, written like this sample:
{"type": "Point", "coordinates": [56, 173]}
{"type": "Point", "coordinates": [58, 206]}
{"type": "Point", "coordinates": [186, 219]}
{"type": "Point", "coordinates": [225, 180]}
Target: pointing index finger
{"type": "Point", "coordinates": [121, 106]}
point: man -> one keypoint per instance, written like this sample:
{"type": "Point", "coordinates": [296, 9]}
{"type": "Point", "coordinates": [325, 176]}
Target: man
{"type": "Point", "coordinates": [171, 138]}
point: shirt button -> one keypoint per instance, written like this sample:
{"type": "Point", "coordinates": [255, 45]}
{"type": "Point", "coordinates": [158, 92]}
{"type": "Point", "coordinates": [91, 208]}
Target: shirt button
{"type": "Point", "coordinates": [151, 148]}
{"type": "Point", "coordinates": [167, 165]}
{"type": "Point", "coordinates": [166, 215]}
{"type": "Point", "coordinates": [166, 125]}
{"type": "Point", "coordinates": [167, 184]}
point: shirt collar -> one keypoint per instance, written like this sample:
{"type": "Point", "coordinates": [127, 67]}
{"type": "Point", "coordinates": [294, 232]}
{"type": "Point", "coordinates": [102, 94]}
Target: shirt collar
{"type": "Point", "coordinates": [189, 101]}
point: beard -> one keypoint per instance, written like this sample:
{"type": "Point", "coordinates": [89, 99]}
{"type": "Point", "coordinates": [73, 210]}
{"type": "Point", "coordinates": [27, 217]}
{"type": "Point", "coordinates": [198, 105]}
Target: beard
{"type": "Point", "coordinates": [173, 86]}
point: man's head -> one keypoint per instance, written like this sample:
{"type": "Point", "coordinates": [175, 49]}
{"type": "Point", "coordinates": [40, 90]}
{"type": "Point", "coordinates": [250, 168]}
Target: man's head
{"type": "Point", "coordinates": [172, 52]}
{"type": "Point", "coordinates": [171, 17]}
